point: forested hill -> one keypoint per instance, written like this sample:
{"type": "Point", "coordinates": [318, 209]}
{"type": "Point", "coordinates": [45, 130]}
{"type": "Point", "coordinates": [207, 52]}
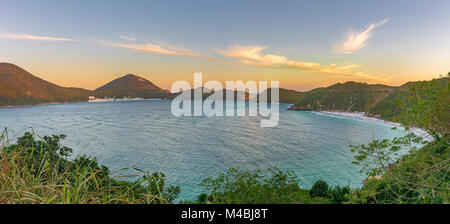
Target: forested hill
{"type": "Point", "coordinates": [285, 95]}
{"type": "Point", "coordinates": [19, 87]}
{"type": "Point", "coordinates": [424, 104]}
{"type": "Point", "coordinates": [131, 86]}
{"type": "Point", "coordinates": [423, 99]}
{"type": "Point", "coordinates": [349, 96]}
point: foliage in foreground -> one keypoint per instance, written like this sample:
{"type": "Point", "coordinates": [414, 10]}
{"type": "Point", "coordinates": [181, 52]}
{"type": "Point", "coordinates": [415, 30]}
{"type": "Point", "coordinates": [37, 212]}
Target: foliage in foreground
{"type": "Point", "coordinates": [271, 187]}
{"type": "Point", "coordinates": [38, 171]}
{"type": "Point", "coordinates": [420, 176]}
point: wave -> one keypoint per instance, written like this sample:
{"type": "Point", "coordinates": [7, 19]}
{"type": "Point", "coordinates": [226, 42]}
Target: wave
{"type": "Point", "coordinates": [363, 117]}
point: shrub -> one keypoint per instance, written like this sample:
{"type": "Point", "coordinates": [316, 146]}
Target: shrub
{"type": "Point", "coordinates": [319, 189]}
{"type": "Point", "coordinates": [339, 195]}
{"type": "Point", "coordinates": [253, 187]}
{"type": "Point", "coordinates": [38, 171]}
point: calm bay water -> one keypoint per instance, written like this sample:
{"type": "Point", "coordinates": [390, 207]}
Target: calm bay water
{"type": "Point", "coordinates": [144, 134]}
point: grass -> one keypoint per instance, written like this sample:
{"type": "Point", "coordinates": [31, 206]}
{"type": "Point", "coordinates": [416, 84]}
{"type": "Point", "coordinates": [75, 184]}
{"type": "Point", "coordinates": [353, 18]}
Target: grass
{"type": "Point", "coordinates": [37, 172]}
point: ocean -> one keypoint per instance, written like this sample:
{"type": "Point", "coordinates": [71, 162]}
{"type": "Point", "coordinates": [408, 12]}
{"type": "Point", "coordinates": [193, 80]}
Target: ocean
{"type": "Point", "coordinates": [144, 134]}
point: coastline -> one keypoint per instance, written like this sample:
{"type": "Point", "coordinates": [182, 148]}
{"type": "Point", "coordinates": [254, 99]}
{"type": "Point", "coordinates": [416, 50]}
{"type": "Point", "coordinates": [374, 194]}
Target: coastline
{"type": "Point", "coordinates": [86, 101]}
{"type": "Point", "coordinates": [362, 116]}
{"type": "Point", "coordinates": [39, 104]}
{"type": "Point", "coordinates": [120, 100]}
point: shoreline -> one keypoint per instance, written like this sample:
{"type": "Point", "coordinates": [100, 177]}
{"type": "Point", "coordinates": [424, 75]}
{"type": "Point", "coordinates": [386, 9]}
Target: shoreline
{"type": "Point", "coordinates": [40, 104]}
{"type": "Point", "coordinates": [122, 100]}
{"type": "Point", "coordinates": [87, 101]}
{"type": "Point", "coordinates": [362, 116]}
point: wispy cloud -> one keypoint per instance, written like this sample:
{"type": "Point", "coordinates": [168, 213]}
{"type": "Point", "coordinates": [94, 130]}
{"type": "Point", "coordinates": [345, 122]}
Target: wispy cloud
{"type": "Point", "coordinates": [33, 37]}
{"type": "Point", "coordinates": [157, 49]}
{"type": "Point", "coordinates": [247, 55]}
{"type": "Point", "coordinates": [128, 38]}
{"type": "Point", "coordinates": [357, 40]}
{"type": "Point", "coordinates": [253, 55]}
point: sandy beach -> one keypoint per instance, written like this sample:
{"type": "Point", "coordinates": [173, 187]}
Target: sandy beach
{"type": "Point", "coordinates": [363, 117]}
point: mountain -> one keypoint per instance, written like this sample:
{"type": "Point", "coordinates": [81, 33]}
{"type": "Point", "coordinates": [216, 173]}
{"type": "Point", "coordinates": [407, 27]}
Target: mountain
{"type": "Point", "coordinates": [19, 87]}
{"type": "Point", "coordinates": [285, 95]}
{"type": "Point", "coordinates": [131, 86]}
{"type": "Point", "coordinates": [349, 96]}
{"type": "Point", "coordinates": [223, 92]}
{"type": "Point", "coordinates": [425, 101]}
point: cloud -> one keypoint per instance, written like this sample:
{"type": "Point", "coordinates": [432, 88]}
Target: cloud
{"type": "Point", "coordinates": [357, 40]}
{"type": "Point", "coordinates": [158, 49]}
{"type": "Point", "coordinates": [248, 55]}
{"type": "Point", "coordinates": [33, 37]}
{"type": "Point", "coordinates": [253, 55]}
{"type": "Point", "coordinates": [129, 38]}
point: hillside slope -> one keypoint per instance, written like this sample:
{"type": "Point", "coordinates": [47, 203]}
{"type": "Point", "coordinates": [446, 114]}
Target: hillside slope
{"type": "Point", "coordinates": [424, 104]}
{"type": "Point", "coordinates": [131, 86]}
{"type": "Point", "coordinates": [286, 95]}
{"type": "Point", "coordinates": [19, 87]}
{"type": "Point", "coordinates": [349, 96]}
{"type": "Point", "coordinates": [224, 92]}
{"type": "Point", "coordinates": [390, 105]}
{"type": "Point", "coordinates": [396, 104]}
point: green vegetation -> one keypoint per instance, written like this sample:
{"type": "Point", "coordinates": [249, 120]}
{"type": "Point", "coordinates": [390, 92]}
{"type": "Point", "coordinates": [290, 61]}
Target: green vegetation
{"type": "Point", "coordinates": [286, 95]}
{"type": "Point", "coordinates": [237, 95]}
{"type": "Point", "coordinates": [319, 189]}
{"type": "Point", "coordinates": [422, 104]}
{"type": "Point", "coordinates": [38, 171]}
{"type": "Point", "coordinates": [253, 187]}
{"type": "Point", "coordinates": [272, 187]}
{"type": "Point", "coordinates": [420, 176]}
{"type": "Point", "coordinates": [349, 96]}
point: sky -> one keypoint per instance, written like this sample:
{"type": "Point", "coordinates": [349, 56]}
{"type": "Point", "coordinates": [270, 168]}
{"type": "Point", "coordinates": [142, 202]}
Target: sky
{"type": "Point", "coordinates": [301, 44]}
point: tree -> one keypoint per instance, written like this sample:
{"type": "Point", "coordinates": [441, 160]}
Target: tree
{"type": "Point", "coordinates": [426, 105]}
{"type": "Point", "coordinates": [421, 176]}
{"type": "Point", "coordinates": [339, 194]}
{"type": "Point", "coordinates": [319, 189]}
{"type": "Point", "coordinates": [255, 187]}
{"type": "Point", "coordinates": [378, 156]}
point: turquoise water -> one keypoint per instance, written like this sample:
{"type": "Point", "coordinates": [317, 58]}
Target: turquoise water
{"type": "Point", "coordinates": [144, 134]}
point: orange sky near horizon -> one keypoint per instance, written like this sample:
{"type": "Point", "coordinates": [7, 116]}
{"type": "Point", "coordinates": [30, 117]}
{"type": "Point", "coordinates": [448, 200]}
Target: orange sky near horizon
{"type": "Point", "coordinates": [95, 76]}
